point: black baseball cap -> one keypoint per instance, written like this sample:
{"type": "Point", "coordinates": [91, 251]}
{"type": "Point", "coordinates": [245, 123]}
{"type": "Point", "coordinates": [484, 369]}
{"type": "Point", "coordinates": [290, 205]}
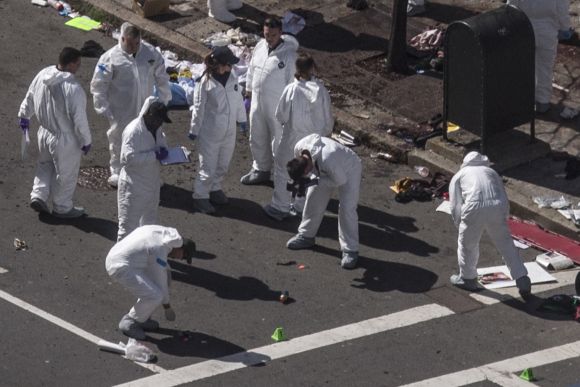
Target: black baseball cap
{"type": "Point", "coordinates": [159, 110]}
{"type": "Point", "coordinates": [223, 55]}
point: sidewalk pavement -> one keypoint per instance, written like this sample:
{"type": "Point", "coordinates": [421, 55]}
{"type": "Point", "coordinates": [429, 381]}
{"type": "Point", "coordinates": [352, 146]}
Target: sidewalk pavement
{"type": "Point", "coordinates": [349, 48]}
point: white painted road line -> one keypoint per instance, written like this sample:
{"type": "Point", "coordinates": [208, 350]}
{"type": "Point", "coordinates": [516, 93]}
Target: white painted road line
{"type": "Point", "coordinates": [294, 346]}
{"type": "Point", "coordinates": [500, 371]}
{"type": "Point", "coordinates": [2, 270]}
{"type": "Point", "coordinates": [490, 297]}
{"type": "Point", "coordinates": [65, 325]}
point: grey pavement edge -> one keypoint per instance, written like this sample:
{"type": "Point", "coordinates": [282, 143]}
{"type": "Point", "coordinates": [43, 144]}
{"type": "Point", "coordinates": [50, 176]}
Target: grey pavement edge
{"type": "Point", "coordinates": [519, 191]}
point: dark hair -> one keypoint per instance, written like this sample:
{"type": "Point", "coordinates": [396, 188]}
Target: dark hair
{"type": "Point", "coordinates": [131, 31]}
{"type": "Point", "coordinates": [296, 167]}
{"type": "Point", "coordinates": [68, 55]}
{"type": "Point", "coordinates": [304, 65]}
{"type": "Point", "coordinates": [211, 65]}
{"type": "Point", "coordinates": [273, 22]}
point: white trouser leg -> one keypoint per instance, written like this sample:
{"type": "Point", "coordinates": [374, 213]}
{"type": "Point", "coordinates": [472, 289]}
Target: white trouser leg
{"type": "Point", "coordinates": [281, 197]}
{"type": "Point", "coordinates": [500, 234]}
{"type": "Point", "coordinates": [218, 10]}
{"type": "Point", "coordinates": [470, 231]}
{"type": "Point", "coordinates": [226, 151]}
{"type": "Point", "coordinates": [149, 295]}
{"type": "Point", "coordinates": [45, 170]}
{"type": "Point", "coordinates": [317, 199]}
{"type": "Point", "coordinates": [115, 137]}
{"type": "Point", "coordinates": [348, 195]}
{"type": "Point", "coordinates": [232, 5]}
{"type": "Point", "coordinates": [67, 161]}
{"type": "Point", "coordinates": [545, 58]}
{"type": "Point", "coordinates": [265, 134]}
{"type": "Point", "coordinates": [208, 159]}
{"type": "Point", "coordinates": [136, 206]}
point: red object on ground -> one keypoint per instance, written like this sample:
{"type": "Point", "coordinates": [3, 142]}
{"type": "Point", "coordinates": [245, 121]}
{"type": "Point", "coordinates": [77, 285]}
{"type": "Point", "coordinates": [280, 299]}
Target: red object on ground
{"type": "Point", "coordinates": [543, 239]}
{"type": "Point", "coordinates": [301, 266]}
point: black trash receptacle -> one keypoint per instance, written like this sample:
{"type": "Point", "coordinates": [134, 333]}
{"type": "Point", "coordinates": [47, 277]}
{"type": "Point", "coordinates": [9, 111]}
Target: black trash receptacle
{"type": "Point", "coordinates": [489, 73]}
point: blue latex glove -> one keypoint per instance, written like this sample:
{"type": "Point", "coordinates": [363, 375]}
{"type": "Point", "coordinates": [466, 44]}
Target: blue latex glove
{"type": "Point", "coordinates": [24, 124]}
{"type": "Point", "coordinates": [247, 104]}
{"type": "Point", "coordinates": [161, 153]}
{"type": "Point", "coordinates": [86, 148]}
{"type": "Point", "coordinates": [191, 136]}
{"type": "Point", "coordinates": [243, 126]}
{"type": "Point", "coordinates": [565, 34]}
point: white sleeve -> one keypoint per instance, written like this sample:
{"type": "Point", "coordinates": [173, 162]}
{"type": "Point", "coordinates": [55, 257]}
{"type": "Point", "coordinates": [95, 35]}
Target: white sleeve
{"type": "Point", "coordinates": [198, 107]}
{"type": "Point", "coordinates": [455, 198]}
{"type": "Point", "coordinates": [100, 83]}
{"type": "Point", "coordinates": [284, 106]}
{"type": "Point", "coordinates": [27, 106]}
{"type": "Point", "coordinates": [77, 109]}
{"type": "Point", "coordinates": [162, 79]}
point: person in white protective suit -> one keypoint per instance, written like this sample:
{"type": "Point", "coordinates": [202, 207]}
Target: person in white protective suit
{"type": "Point", "coordinates": [272, 68]}
{"type": "Point", "coordinates": [124, 77]}
{"type": "Point", "coordinates": [334, 166]}
{"type": "Point", "coordinates": [304, 109]}
{"type": "Point", "coordinates": [139, 264]}
{"type": "Point", "coordinates": [217, 106]}
{"type": "Point", "coordinates": [220, 9]}
{"type": "Point", "coordinates": [547, 18]}
{"type": "Point", "coordinates": [59, 103]}
{"type": "Point", "coordinates": [143, 147]}
{"type": "Point", "coordinates": [479, 203]}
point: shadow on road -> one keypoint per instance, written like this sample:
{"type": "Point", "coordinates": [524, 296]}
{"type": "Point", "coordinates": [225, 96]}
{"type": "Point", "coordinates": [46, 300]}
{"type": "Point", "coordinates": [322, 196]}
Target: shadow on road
{"type": "Point", "coordinates": [381, 276]}
{"type": "Point", "coordinates": [202, 345]}
{"type": "Point", "coordinates": [103, 227]}
{"type": "Point", "coordinates": [243, 288]}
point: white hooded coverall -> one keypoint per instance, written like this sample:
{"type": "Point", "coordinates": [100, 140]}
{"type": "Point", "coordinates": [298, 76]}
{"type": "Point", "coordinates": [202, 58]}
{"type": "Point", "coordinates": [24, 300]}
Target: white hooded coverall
{"type": "Point", "coordinates": [479, 202]}
{"type": "Point", "coordinates": [304, 109]}
{"type": "Point", "coordinates": [214, 114]}
{"type": "Point", "coordinates": [121, 83]}
{"type": "Point", "coordinates": [268, 74]}
{"type": "Point", "coordinates": [547, 17]}
{"type": "Point", "coordinates": [140, 177]}
{"type": "Point", "coordinates": [139, 263]}
{"type": "Point", "coordinates": [59, 103]}
{"type": "Point", "coordinates": [337, 167]}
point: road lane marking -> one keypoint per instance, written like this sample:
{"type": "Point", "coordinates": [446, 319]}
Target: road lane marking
{"type": "Point", "coordinates": [490, 297]}
{"type": "Point", "coordinates": [294, 346]}
{"type": "Point", "coordinates": [65, 325]}
{"type": "Point", "coordinates": [2, 270]}
{"type": "Point", "coordinates": [500, 371]}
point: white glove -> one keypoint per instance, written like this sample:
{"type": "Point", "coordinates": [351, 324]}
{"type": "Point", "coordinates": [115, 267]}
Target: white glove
{"type": "Point", "coordinates": [169, 314]}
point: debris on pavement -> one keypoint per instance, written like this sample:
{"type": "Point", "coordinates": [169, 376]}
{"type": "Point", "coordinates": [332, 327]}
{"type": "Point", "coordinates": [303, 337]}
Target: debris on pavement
{"type": "Point", "coordinates": [284, 296]}
{"type": "Point", "coordinates": [554, 261]}
{"type": "Point", "coordinates": [569, 113]}
{"type": "Point", "coordinates": [551, 202]}
{"type": "Point", "coordinates": [345, 138]}
{"type": "Point", "coordinates": [133, 350]}
{"type": "Point", "coordinates": [279, 335]}
{"type": "Point", "coordinates": [20, 245]}
{"type": "Point", "coordinates": [384, 156]}
{"type": "Point", "coordinates": [292, 23]}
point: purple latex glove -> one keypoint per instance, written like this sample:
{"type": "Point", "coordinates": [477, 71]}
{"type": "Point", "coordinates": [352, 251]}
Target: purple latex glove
{"type": "Point", "coordinates": [247, 104]}
{"type": "Point", "coordinates": [86, 148]}
{"type": "Point", "coordinates": [161, 153]}
{"type": "Point", "coordinates": [24, 124]}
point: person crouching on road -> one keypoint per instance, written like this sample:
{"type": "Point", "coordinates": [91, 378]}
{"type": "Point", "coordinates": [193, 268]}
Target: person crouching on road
{"type": "Point", "coordinates": [479, 202]}
{"type": "Point", "coordinates": [304, 109]}
{"type": "Point", "coordinates": [59, 103]}
{"type": "Point", "coordinates": [139, 263]}
{"type": "Point", "coordinates": [142, 149]}
{"type": "Point", "coordinates": [217, 106]}
{"type": "Point", "coordinates": [336, 166]}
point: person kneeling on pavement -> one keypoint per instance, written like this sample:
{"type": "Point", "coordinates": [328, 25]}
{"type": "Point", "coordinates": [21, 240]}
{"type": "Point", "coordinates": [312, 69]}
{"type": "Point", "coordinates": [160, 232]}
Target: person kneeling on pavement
{"type": "Point", "coordinates": [335, 166]}
{"type": "Point", "coordinates": [139, 263]}
{"type": "Point", "coordinates": [479, 202]}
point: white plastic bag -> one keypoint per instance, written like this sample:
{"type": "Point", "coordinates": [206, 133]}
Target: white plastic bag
{"type": "Point", "coordinates": [136, 351]}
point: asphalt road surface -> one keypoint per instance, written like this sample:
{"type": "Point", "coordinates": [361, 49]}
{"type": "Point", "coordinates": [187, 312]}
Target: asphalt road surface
{"type": "Point", "coordinates": [394, 320]}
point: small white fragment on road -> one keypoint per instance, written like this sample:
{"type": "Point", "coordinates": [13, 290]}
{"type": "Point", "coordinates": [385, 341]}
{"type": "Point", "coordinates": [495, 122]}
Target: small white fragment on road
{"type": "Point", "coordinates": [2, 270]}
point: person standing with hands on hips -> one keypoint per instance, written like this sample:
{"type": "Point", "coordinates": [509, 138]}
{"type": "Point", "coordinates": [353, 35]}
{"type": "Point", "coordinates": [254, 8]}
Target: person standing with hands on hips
{"type": "Point", "coordinates": [272, 68]}
{"type": "Point", "coordinates": [143, 148]}
{"type": "Point", "coordinates": [217, 106]}
{"type": "Point", "coordinates": [336, 166]}
{"type": "Point", "coordinates": [59, 103]}
{"type": "Point", "coordinates": [139, 263]}
{"type": "Point", "coordinates": [123, 79]}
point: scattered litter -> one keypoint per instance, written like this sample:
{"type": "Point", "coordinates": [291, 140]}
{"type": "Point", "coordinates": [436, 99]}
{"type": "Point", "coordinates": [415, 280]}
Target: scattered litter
{"type": "Point", "coordinates": [554, 261]}
{"type": "Point", "coordinates": [133, 350]}
{"type": "Point", "coordinates": [527, 375]}
{"type": "Point", "coordinates": [384, 156]}
{"type": "Point", "coordinates": [20, 244]}
{"type": "Point", "coordinates": [496, 280]}
{"type": "Point", "coordinates": [561, 88]}
{"type": "Point", "coordinates": [345, 138]}
{"type": "Point", "coordinates": [40, 3]}
{"type": "Point", "coordinates": [451, 127]}
{"type": "Point", "coordinates": [569, 113]}
{"type": "Point", "coordinates": [570, 214]}
{"type": "Point", "coordinates": [84, 23]}
{"type": "Point", "coordinates": [521, 245]}
{"type": "Point", "coordinates": [366, 116]}
{"type": "Point", "coordinates": [292, 23]}
{"type": "Point", "coordinates": [287, 263]}
{"type": "Point", "coordinates": [231, 36]}
{"type": "Point", "coordinates": [445, 207]}
{"type": "Point", "coordinates": [301, 266]}
{"type": "Point", "coordinates": [2, 270]}
{"type": "Point", "coordinates": [279, 335]}
{"type": "Point", "coordinates": [422, 171]}
{"type": "Point", "coordinates": [551, 202]}
{"type": "Point", "coordinates": [428, 40]}
{"type": "Point", "coordinates": [284, 296]}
